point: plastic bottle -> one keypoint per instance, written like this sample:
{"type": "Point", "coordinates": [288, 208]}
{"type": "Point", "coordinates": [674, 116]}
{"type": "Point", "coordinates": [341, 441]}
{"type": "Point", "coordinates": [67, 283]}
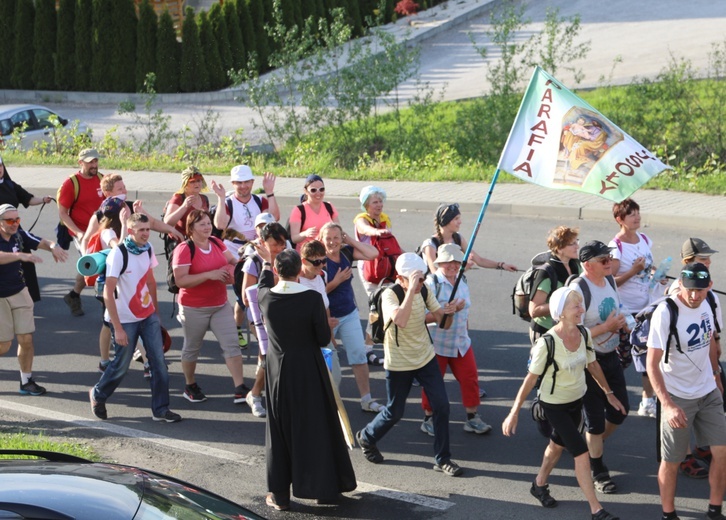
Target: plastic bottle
{"type": "Point", "coordinates": [629, 320]}
{"type": "Point", "coordinates": [661, 272]}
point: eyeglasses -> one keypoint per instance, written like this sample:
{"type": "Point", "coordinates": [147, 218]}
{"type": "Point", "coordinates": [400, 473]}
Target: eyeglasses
{"type": "Point", "coordinates": [603, 259]}
{"type": "Point", "coordinates": [317, 263]}
{"type": "Point", "coordinates": [315, 190]}
{"type": "Point", "coordinates": [690, 275]}
{"type": "Point", "coordinates": [12, 221]}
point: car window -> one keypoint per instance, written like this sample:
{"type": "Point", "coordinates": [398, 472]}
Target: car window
{"type": "Point", "coordinates": [6, 127]}
{"type": "Point", "coordinates": [24, 116]}
{"type": "Point", "coordinates": [43, 117]}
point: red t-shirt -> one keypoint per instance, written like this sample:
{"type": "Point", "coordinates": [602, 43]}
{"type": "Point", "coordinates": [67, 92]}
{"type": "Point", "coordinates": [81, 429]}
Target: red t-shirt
{"type": "Point", "coordinates": [181, 224]}
{"type": "Point", "coordinates": [89, 199]}
{"type": "Point", "coordinates": [209, 293]}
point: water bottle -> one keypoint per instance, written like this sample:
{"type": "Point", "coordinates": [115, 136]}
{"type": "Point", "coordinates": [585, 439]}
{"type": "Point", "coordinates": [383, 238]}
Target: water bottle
{"type": "Point", "coordinates": [661, 272]}
{"type": "Point", "coordinates": [629, 319]}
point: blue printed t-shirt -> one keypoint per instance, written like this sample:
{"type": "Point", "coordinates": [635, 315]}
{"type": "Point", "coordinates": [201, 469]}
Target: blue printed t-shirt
{"type": "Point", "coordinates": [342, 299]}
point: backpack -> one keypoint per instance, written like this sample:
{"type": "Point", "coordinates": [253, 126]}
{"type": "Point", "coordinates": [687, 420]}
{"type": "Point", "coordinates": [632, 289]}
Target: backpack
{"type": "Point", "coordinates": [619, 242]}
{"type": "Point", "coordinates": [216, 232]}
{"type": "Point", "coordinates": [172, 287]}
{"type": "Point", "coordinates": [525, 287]}
{"type": "Point", "coordinates": [550, 362]}
{"type": "Point", "coordinates": [384, 265]}
{"type": "Point", "coordinates": [94, 246]}
{"type": "Point", "coordinates": [375, 307]}
{"type": "Point", "coordinates": [435, 242]}
{"type": "Point", "coordinates": [575, 279]}
{"type": "Point", "coordinates": [639, 334]}
{"type": "Point", "coordinates": [239, 274]}
{"type": "Point", "coordinates": [301, 209]}
{"type": "Point", "coordinates": [62, 234]}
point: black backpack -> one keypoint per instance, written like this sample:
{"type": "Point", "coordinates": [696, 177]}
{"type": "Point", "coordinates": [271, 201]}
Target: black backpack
{"type": "Point", "coordinates": [585, 288]}
{"type": "Point", "coordinates": [375, 316]}
{"type": "Point", "coordinates": [525, 287]}
{"type": "Point", "coordinates": [301, 208]}
{"type": "Point", "coordinates": [550, 362]}
{"type": "Point", "coordinates": [172, 287]}
{"type": "Point", "coordinates": [435, 241]}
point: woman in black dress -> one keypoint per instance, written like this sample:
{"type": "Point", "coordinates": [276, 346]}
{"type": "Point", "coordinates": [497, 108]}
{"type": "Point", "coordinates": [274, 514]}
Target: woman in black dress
{"type": "Point", "coordinates": [304, 443]}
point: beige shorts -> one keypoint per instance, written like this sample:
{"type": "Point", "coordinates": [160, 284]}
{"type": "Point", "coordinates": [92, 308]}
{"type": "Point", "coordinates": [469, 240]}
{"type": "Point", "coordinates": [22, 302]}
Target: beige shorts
{"type": "Point", "coordinates": [16, 315]}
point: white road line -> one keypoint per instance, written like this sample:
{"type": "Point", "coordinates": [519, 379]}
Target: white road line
{"type": "Point", "coordinates": [201, 449]}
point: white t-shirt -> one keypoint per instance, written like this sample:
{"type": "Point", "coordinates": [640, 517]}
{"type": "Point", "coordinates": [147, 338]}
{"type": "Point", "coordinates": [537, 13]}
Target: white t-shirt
{"type": "Point", "coordinates": [316, 284]}
{"type": "Point", "coordinates": [134, 299]}
{"type": "Point", "coordinates": [634, 294]}
{"type": "Point", "coordinates": [243, 217]}
{"type": "Point", "coordinates": [107, 235]}
{"type": "Point", "coordinates": [603, 301]}
{"type": "Point", "coordinates": [675, 287]}
{"type": "Point", "coordinates": [687, 375]}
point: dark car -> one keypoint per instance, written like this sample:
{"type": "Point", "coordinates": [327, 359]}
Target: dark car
{"type": "Point", "coordinates": [57, 486]}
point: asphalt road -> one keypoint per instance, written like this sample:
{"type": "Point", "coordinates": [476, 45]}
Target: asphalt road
{"type": "Point", "coordinates": [219, 445]}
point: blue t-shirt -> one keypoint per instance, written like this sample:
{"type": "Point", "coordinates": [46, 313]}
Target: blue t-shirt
{"type": "Point", "coordinates": [12, 280]}
{"type": "Point", "coordinates": [342, 298]}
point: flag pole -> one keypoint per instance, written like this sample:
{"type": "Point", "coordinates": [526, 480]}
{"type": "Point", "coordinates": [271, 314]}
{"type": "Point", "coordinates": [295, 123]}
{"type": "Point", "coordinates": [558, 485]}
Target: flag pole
{"type": "Point", "coordinates": [470, 246]}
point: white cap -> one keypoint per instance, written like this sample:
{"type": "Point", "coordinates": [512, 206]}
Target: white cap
{"type": "Point", "coordinates": [242, 173]}
{"type": "Point", "coordinates": [264, 218]}
{"type": "Point", "coordinates": [408, 263]}
{"type": "Point", "coordinates": [7, 208]}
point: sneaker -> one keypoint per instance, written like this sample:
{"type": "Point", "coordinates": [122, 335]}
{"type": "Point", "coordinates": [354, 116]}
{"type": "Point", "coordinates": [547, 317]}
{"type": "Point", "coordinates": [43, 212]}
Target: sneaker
{"type": "Point", "coordinates": [374, 360]}
{"type": "Point", "coordinates": [415, 382]}
{"type": "Point", "coordinates": [240, 394]}
{"type": "Point", "coordinates": [449, 468]}
{"type": "Point", "coordinates": [31, 388]}
{"type": "Point", "coordinates": [74, 303]}
{"type": "Point", "coordinates": [242, 339]}
{"type": "Point", "coordinates": [476, 425]}
{"type": "Point", "coordinates": [427, 426]}
{"type": "Point", "coordinates": [255, 404]}
{"type": "Point", "coordinates": [147, 371]}
{"type": "Point", "coordinates": [542, 493]}
{"type": "Point", "coordinates": [102, 367]}
{"type": "Point", "coordinates": [482, 393]}
{"type": "Point", "coordinates": [604, 515]}
{"type": "Point", "coordinates": [370, 451]}
{"type": "Point", "coordinates": [169, 416]}
{"type": "Point", "coordinates": [98, 409]}
{"type": "Point", "coordinates": [370, 406]}
{"type": "Point", "coordinates": [138, 356]}
{"type": "Point", "coordinates": [647, 407]}
{"type": "Point", "coordinates": [194, 394]}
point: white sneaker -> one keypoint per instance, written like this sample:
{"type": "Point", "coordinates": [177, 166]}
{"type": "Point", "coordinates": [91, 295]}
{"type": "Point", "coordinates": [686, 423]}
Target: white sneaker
{"type": "Point", "coordinates": [647, 407]}
{"type": "Point", "coordinates": [370, 406]}
{"type": "Point", "coordinates": [255, 404]}
{"type": "Point", "coordinates": [476, 425]}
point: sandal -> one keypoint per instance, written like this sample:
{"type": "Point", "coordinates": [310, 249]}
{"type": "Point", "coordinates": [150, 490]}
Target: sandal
{"type": "Point", "coordinates": [542, 493]}
{"type": "Point", "coordinates": [370, 451]}
{"type": "Point", "coordinates": [604, 515]}
{"type": "Point", "coordinates": [604, 484]}
{"type": "Point", "coordinates": [693, 467]}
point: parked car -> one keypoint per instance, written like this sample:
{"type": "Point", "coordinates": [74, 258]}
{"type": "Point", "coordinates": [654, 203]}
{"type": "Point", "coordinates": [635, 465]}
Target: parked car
{"type": "Point", "coordinates": [38, 120]}
{"type": "Point", "coordinates": [58, 486]}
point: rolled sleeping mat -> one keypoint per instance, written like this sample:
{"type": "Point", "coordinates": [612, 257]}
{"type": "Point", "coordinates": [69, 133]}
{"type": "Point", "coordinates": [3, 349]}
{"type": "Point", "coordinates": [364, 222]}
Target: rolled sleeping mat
{"type": "Point", "coordinates": [93, 264]}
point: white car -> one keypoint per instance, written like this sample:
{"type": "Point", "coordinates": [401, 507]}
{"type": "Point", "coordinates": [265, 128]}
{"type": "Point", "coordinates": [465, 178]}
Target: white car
{"type": "Point", "coordinates": [39, 124]}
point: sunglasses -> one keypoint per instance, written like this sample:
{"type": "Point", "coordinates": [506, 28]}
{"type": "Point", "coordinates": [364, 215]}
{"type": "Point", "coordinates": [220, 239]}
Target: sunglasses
{"type": "Point", "coordinates": [315, 190]}
{"type": "Point", "coordinates": [603, 259]}
{"type": "Point", "coordinates": [691, 275]}
{"type": "Point", "coordinates": [317, 263]}
{"type": "Point", "coordinates": [12, 221]}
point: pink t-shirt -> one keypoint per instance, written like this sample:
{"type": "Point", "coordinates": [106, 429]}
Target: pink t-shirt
{"type": "Point", "coordinates": [312, 219]}
{"type": "Point", "coordinates": [209, 293]}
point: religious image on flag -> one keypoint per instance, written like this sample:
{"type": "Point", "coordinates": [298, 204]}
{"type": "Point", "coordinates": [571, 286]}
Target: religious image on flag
{"type": "Point", "coordinates": [559, 141]}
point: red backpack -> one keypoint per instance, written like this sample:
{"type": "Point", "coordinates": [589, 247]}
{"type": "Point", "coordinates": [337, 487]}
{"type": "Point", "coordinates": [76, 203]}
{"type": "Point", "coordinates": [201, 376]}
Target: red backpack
{"type": "Point", "coordinates": [94, 246]}
{"type": "Point", "coordinates": [384, 265]}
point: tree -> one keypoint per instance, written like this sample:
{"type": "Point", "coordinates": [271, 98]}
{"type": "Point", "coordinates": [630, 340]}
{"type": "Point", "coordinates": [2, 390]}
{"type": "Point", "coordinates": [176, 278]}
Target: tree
{"type": "Point", "coordinates": [65, 65]}
{"type": "Point", "coordinates": [288, 13]}
{"type": "Point", "coordinates": [168, 52]}
{"type": "Point", "coordinates": [210, 51]}
{"type": "Point", "coordinates": [246, 27]}
{"type": "Point", "coordinates": [83, 29]}
{"type": "Point", "coordinates": [103, 33]}
{"type": "Point", "coordinates": [7, 29]}
{"type": "Point", "coordinates": [355, 18]}
{"type": "Point", "coordinates": [22, 75]}
{"type": "Point", "coordinates": [193, 75]}
{"type": "Point", "coordinates": [219, 31]}
{"type": "Point", "coordinates": [145, 43]}
{"type": "Point", "coordinates": [236, 40]}
{"type": "Point", "coordinates": [44, 42]}
{"type": "Point", "coordinates": [123, 68]}
{"type": "Point", "coordinates": [262, 44]}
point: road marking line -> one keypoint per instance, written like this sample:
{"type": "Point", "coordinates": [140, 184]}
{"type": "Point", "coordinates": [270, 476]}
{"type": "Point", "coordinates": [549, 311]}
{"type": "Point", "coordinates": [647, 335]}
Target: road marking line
{"type": "Point", "coordinates": [201, 449]}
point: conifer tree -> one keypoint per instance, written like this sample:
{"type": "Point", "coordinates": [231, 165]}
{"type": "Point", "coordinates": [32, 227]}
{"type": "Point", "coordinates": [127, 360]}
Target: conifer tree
{"type": "Point", "coordinates": [83, 37]}
{"type": "Point", "coordinates": [65, 53]}
{"type": "Point", "coordinates": [210, 51]}
{"type": "Point", "coordinates": [22, 75]}
{"type": "Point", "coordinates": [259, 18]}
{"type": "Point", "coordinates": [355, 17]}
{"type": "Point", "coordinates": [103, 34]}
{"type": "Point", "coordinates": [123, 68]}
{"type": "Point", "coordinates": [44, 42]}
{"type": "Point", "coordinates": [249, 33]}
{"type": "Point", "coordinates": [7, 29]}
{"type": "Point", "coordinates": [288, 13]}
{"type": "Point", "coordinates": [236, 41]}
{"type": "Point", "coordinates": [168, 53]}
{"type": "Point", "coordinates": [219, 31]}
{"type": "Point", "coordinates": [145, 43]}
{"type": "Point", "coordinates": [193, 75]}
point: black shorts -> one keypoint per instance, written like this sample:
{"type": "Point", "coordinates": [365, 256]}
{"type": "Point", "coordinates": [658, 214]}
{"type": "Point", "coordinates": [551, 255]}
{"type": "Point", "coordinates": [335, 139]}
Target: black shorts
{"type": "Point", "coordinates": [565, 420]}
{"type": "Point", "coordinates": [597, 408]}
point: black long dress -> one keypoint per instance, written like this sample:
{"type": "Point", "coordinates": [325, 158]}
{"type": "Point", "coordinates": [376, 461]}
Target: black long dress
{"type": "Point", "coordinates": [304, 443]}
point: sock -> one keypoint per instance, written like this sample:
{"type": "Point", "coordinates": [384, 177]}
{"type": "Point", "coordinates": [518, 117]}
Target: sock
{"type": "Point", "coordinates": [25, 377]}
{"type": "Point", "coordinates": [713, 511]}
{"type": "Point", "coordinates": [105, 362]}
{"type": "Point", "coordinates": [596, 465]}
{"type": "Point", "coordinates": [669, 516]}
{"type": "Point", "coordinates": [427, 418]}
{"type": "Point", "coordinates": [366, 398]}
{"type": "Point", "coordinates": [74, 294]}
{"type": "Point", "coordinates": [470, 416]}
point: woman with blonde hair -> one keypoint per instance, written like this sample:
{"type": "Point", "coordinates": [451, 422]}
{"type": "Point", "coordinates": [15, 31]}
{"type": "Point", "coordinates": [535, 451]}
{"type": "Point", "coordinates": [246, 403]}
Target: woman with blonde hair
{"type": "Point", "coordinates": [186, 199]}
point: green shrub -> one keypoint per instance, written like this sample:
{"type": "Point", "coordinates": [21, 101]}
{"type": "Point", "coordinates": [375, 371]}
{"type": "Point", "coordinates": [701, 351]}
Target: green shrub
{"type": "Point", "coordinates": [44, 41]}
{"type": "Point", "coordinates": [123, 54]}
{"type": "Point", "coordinates": [210, 51]}
{"type": "Point", "coordinates": [83, 29]}
{"type": "Point", "coordinates": [22, 75]}
{"type": "Point", "coordinates": [7, 29]}
{"type": "Point", "coordinates": [102, 32]}
{"type": "Point", "coordinates": [219, 32]}
{"type": "Point", "coordinates": [145, 43]}
{"type": "Point", "coordinates": [193, 75]}
{"type": "Point", "coordinates": [168, 52]}
{"type": "Point", "coordinates": [65, 67]}
{"type": "Point", "coordinates": [236, 40]}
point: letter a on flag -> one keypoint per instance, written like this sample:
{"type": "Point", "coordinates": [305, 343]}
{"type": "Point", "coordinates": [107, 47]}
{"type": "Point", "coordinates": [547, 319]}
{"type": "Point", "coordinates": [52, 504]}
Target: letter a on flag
{"type": "Point", "coordinates": [559, 141]}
